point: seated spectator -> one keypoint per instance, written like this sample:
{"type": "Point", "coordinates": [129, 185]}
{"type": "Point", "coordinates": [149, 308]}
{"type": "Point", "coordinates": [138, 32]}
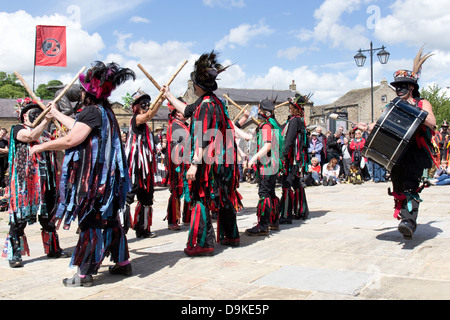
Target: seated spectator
{"type": "Point", "coordinates": [331, 173]}
{"type": "Point", "coordinates": [313, 174]}
{"type": "Point", "coordinates": [442, 175]}
{"type": "Point", "coordinates": [355, 174]}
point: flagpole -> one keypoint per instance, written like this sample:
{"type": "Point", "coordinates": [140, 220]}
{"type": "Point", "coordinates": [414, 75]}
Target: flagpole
{"type": "Point", "coordinates": [34, 67]}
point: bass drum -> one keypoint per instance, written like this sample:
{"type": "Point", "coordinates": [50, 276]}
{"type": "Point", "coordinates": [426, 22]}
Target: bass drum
{"type": "Point", "coordinates": [393, 133]}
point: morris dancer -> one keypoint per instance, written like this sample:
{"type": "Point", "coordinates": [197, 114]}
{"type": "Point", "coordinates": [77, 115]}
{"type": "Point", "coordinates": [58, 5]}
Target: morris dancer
{"type": "Point", "coordinates": [141, 156]}
{"type": "Point", "coordinates": [177, 139]}
{"type": "Point", "coordinates": [268, 165]}
{"type": "Point", "coordinates": [293, 202]}
{"type": "Point", "coordinates": [213, 173]}
{"type": "Point", "coordinates": [33, 186]}
{"type": "Point", "coordinates": [94, 180]}
{"type": "Point", "coordinates": [406, 174]}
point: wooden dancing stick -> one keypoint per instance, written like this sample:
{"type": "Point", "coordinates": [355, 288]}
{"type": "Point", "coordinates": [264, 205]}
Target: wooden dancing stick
{"type": "Point", "coordinates": [241, 112]}
{"type": "Point", "coordinates": [35, 98]}
{"type": "Point", "coordinates": [168, 84]}
{"type": "Point", "coordinates": [60, 95]}
{"type": "Point", "coordinates": [149, 77]}
{"type": "Point", "coordinates": [238, 106]}
{"type": "Point", "coordinates": [282, 104]}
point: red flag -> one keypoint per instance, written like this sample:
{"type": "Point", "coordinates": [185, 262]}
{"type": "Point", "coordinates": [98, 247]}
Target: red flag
{"type": "Point", "coordinates": [50, 46]}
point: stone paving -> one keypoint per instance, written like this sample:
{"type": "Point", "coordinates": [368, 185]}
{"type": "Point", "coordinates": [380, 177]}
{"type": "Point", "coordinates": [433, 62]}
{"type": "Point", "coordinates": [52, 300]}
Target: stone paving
{"type": "Point", "coordinates": [348, 249]}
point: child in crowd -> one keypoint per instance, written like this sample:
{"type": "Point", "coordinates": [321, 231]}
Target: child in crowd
{"type": "Point", "coordinates": [355, 174]}
{"type": "Point", "coordinates": [331, 173]}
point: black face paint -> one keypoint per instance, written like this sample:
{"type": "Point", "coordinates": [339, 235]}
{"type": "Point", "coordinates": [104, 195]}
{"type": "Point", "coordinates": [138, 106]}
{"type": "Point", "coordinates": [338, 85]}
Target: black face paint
{"type": "Point", "coordinates": [402, 89]}
{"type": "Point", "coordinates": [145, 103]}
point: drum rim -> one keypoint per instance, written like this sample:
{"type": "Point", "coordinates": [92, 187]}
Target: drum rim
{"type": "Point", "coordinates": [418, 121]}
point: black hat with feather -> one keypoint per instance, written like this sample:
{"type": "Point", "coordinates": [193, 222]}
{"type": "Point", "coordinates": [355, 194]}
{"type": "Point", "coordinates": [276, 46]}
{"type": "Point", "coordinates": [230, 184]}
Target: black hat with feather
{"type": "Point", "coordinates": [102, 79]}
{"type": "Point", "coordinates": [206, 70]}
{"type": "Point", "coordinates": [411, 76]}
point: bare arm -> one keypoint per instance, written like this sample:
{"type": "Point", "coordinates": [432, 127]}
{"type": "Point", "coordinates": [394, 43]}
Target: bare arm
{"type": "Point", "coordinates": [430, 120]}
{"type": "Point", "coordinates": [33, 135]}
{"type": "Point", "coordinates": [76, 136]}
{"type": "Point", "coordinates": [180, 106]}
{"type": "Point", "coordinates": [65, 120]}
{"type": "Point", "coordinates": [261, 153]}
{"type": "Point", "coordinates": [145, 117]}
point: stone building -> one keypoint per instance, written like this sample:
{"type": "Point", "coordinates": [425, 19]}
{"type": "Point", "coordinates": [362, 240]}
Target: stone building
{"type": "Point", "coordinates": [354, 106]}
{"type": "Point", "coordinates": [9, 115]}
{"type": "Point", "coordinates": [250, 97]}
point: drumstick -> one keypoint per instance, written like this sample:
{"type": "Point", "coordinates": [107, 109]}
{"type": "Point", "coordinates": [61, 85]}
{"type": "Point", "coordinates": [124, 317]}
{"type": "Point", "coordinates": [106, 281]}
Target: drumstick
{"type": "Point", "coordinates": [35, 98]}
{"type": "Point", "coordinates": [168, 84]}
{"type": "Point", "coordinates": [60, 95]}
{"type": "Point", "coordinates": [335, 116]}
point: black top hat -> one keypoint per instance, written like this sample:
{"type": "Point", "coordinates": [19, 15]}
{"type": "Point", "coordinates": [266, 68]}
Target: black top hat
{"type": "Point", "coordinates": [206, 70]}
{"type": "Point", "coordinates": [267, 105]}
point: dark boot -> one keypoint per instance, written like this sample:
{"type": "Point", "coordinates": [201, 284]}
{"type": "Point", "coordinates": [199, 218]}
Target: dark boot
{"type": "Point", "coordinates": [16, 260]}
{"type": "Point", "coordinates": [408, 225]}
{"type": "Point", "coordinates": [51, 245]}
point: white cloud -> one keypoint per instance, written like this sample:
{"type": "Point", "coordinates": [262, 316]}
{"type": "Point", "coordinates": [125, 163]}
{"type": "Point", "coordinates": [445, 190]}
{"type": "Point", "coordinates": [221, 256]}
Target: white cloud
{"type": "Point", "coordinates": [225, 3]}
{"type": "Point", "coordinates": [243, 34]}
{"type": "Point", "coordinates": [404, 25]}
{"type": "Point", "coordinates": [136, 19]}
{"type": "Point", "coordinates": [290, 53]}
{"type": "Point", "coordinates": [17, 44]}
{"type": "Point", "coordinates": [330, 28]}
{"type": "Point", "coordinates": [160, 61]}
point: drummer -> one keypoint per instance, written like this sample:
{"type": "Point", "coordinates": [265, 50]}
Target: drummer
{"type": "Point", "coordinates": [406, 174]}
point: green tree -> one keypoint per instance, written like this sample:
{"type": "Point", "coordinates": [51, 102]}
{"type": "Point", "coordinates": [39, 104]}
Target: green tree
{"type": "Point", "coordinates": [440, 102]}
{"type": "Point", "coordinates": [44, 92]}
{"type": "Point", "coordinates": [9, 86]}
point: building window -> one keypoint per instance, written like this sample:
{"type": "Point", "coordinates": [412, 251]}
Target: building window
{"type": "Point", "coordinates": [383, 98]}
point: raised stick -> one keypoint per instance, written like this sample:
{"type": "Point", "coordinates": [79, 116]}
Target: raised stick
{"type": "Point", "coordinates": [60, 95]}
{"type": "Point", "coordinates": [282, 104]}
{"type": "Point", "coordinates": [149, 77]}
{"type": "Point", "coordinates": [238, 106]}
{"type": "Point", "coordinates": [35, 98]}
{"type": "Point", "coordinates": [168, 84]}
{"type": "Point", "coordinates": [241, 112]}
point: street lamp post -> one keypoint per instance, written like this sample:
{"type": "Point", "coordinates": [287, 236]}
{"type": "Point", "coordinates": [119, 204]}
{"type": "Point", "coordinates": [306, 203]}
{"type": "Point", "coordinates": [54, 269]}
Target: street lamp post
{"type": "Point", "coordinates": [360, 59]}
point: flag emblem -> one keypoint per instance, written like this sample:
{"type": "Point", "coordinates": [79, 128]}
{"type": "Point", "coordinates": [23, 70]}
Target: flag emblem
{"type": "Point", "coordinates": [50, 46]}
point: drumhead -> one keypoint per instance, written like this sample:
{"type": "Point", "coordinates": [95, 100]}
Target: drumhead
{"type": "Point", "coordinates": [393, 133]}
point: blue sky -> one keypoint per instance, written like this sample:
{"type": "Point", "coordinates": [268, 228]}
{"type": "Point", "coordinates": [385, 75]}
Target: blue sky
{"type": "Point", "coordinates": [269, 43]}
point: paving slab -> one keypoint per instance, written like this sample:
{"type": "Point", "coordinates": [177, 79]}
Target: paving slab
{"type": "Point", "coordinates": [348, 249]}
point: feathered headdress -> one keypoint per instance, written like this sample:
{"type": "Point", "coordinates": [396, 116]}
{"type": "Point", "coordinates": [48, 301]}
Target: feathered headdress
{"type": "Point", "coordinates": [412, 76]}
{"type": "Point", "coordinates": [419, 60]}
{"type": "Point", "coordinates": [206, 70]}
{"type": "Point", "coordinates": [299, 101]}
{"type": "Point", "coordinates": [101, 79]}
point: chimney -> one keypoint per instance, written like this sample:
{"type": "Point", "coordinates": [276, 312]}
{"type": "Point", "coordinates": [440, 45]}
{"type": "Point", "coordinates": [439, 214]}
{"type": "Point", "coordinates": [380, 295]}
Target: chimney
{"type": "Point", "coordinates": [293, 86]}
